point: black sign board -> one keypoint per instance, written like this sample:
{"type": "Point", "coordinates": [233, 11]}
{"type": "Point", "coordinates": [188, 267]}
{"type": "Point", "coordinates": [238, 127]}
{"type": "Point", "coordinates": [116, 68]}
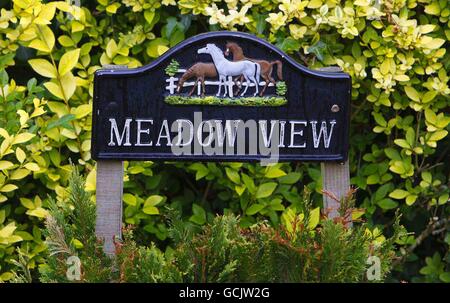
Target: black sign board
{"type": "Point", "coordinates": [221, 96]}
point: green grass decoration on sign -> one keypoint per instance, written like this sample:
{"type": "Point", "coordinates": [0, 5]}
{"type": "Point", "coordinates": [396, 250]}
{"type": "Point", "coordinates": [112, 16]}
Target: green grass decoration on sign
{"type": "Point", "coordinates": [213, 100]}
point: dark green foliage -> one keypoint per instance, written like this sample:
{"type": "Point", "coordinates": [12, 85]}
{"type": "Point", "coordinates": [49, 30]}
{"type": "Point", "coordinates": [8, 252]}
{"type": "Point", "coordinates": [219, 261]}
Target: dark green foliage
{"type": "Point", "coordinates": [302, 249]}
{"type": "Point", "coordinates": [69, 232]}
{"type": "Point", "coordinates": [143, 264]}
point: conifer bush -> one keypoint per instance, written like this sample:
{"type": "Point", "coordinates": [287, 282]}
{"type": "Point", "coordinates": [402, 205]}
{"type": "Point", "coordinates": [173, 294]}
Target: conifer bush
{"type": "Point", "coordinates": [395, 51]}
{"type": "Point", "coordinates": [304, 248]}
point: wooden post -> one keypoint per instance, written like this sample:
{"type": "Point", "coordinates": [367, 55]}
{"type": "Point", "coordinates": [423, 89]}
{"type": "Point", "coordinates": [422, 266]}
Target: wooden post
{"type": "Point", "coordinates": [335, 176]}
{"type": "Point", "coordinates": [335, 180]}
{"type": "Point", "coordinates": [109, 203]}
{"type": "Point", "coordinates": [109, 190]}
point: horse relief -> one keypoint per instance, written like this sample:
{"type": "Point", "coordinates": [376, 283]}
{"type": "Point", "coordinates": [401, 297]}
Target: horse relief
{"type": "Point", "coordinates": [250, 70]}
{"type": "Point", "coordinates": [266, 66]}
{"type": "Point", "coordinates": [241, 71]}
{"type": "Point", "coordinates": [200, 71]}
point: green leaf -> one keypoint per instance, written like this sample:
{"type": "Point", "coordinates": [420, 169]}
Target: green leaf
{"type": "Point", "coordinates": [387, 204]}
{"type": "Point", "coordinates": [233, 175]}
{"type": "Point", "coordinates": [153, 200]}
{"type": "Point", "coordinates": [290, 178]}
{"type": "Point", "coordinates": [399, 194]}
{"type": "Point", "coordinates": [382, 192]}
{"type": "Point", "coordinates": [412, 93]}
{"type": "Point", "coordinates": [410, 199]}
{"type": "Point", "coordinates": [445, 277]}
{"type": "Point", "coordinates": [249, 183]}
{"type": "Point", "coordinates": [149, 15]}
{"type": "Point", "coordinates": [27, 203]}
{"type": "Point", "coordinates": [392, 153]}
{"type": "Point", "coordinates": [265, 190]}
{"type": "Point", "coordinates": [402, 143]}
{"type": "Point", "coordinates": [429, 96]}
{"type": "Point", "coordinates": [63, 121]}
{"type": "Point", "coordinates": [274, 172]}
{"type": "Point", "coordinates": [199, 215]}
{"type": "Point", "coordinates": [150, 210]}
{"type": "Point", "coordinates": [410, 136]}
{"type": "Point", "coordinates": [433, 8]}
{"type": "Point", "coordinates": [59, 108]}
{"type": "Point", "coordinates": [129, 199]}
{"type": "Point", "coordinates": [253, 209]}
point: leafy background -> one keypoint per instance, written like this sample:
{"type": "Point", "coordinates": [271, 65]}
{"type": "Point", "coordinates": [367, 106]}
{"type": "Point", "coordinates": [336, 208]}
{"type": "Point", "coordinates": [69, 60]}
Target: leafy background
{"type": "Point", "coordinates": [395, 51]}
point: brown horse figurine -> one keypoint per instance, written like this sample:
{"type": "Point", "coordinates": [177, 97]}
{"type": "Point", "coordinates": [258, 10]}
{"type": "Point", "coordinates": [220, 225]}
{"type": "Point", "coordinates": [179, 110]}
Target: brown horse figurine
{"type": "Point", "coordinates": [201, 71]}
{"type": "Point", "coordinates": [266, 66]}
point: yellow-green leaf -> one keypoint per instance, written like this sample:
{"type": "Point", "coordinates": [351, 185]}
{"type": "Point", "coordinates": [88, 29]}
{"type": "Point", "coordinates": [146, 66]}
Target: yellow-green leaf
{"type": "Point", "coordinates": [274, 172]}
{"type": "Point", "coordinates": [314, 217]}
{"type": "Point", "coordinates": [265, 190]}
{"type": "Point", "coordinates": [38, 212]}
{"type": "Point", "coordinates": [411, 199]}
{"type": "Point", "coordinates": [19, 174]}
{"type": "Point", "coordinates": [154, 200]}
{"type": "Point", "coordinates": [83, 110]}
{"type": "Point", "coordinates": [46, 14]}
{"type": "Point", "coordinates": [77, 27]}
{"type": "Point", "coordinates": [27, 203]}
{"type": "Point", "coordinates": [65, 41]}
{"type": "Point", "coordinates": [47, 36]}
{"type": "Point", "coordinates": [435, 43]}
{"type": "Point", "coordinates": [24, 117]}
{"type": "Point", "coordinates": [43, 68]}
{"type": "Point", "coordinates": [20, 155]}
{"type": "Point", "coordinates": [129, 199]}
{"type": "Point", "coordinates": [39, 45]}
{"type": "Point", "coordinates": [54, 89]}
{"type": "Point", "coordinates": [8, 230]}
{"type": "Point", "coordinates": [68, 61]}
{"type": "Point", "coordinates": [399, 194]}
{"type": "Point", "coordinates": [8, 187]}
{"type": "Point", "coordinates": [90, 181]}
{"type": "Point", "coordinates": [150, 210]}
{"type": "Point", "coordinates": [86, 145]}
{"type": "Point", "coordinates": [112, 8]}
{"type": "Point", "coordinates": [438, 135]}
{"type": "Point", "coordinates": [22, 138]}
{"type": "Point", "coordinates": [111, 48]}
{"type": "Point", "coordinates": [4, 165]}
{"type": "Point", "coordinates": [59, 108]}
{"type": "Point", "coordinates": [412, 93]}
{"type": "Point", "coordinates": [32, 166]}
{"type": "Point", "coordinates": [233, 175]}
{"type": "Point", "coordinates": [68, 84]}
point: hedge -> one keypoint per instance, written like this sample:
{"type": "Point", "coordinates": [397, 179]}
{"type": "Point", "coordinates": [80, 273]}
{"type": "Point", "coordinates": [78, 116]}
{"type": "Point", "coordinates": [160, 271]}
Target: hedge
{"type": "Point", "coordinates": [395, 51]}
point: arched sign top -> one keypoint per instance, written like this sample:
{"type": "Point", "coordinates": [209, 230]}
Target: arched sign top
{"type": "Point", "coordinates": [221, 96]}
{"type": "Point", "coordinates": [205, 37]}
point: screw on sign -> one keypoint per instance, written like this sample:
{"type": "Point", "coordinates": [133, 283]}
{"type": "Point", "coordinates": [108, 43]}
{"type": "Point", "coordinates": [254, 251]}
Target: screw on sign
{"type": "Point", "coordinates": [220, 96]}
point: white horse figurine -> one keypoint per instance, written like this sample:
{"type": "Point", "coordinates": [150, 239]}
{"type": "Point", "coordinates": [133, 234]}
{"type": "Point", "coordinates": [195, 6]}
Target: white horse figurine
{"type": "Point", "coordinates": [250, 70]}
